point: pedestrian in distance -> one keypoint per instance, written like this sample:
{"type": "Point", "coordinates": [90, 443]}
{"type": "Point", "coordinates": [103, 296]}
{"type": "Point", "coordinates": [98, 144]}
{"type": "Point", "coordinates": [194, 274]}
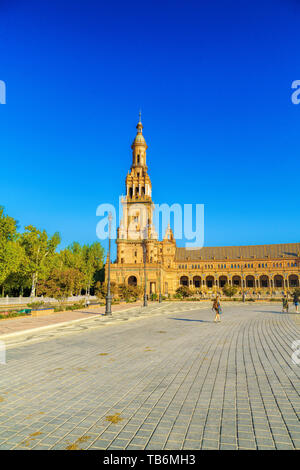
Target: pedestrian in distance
{"type": "Point", "coordinates": [296, 302]}
{"type": "Point", "coordinates": [285, 304]}
{"type": "Point", "coordinates": [217, 309]}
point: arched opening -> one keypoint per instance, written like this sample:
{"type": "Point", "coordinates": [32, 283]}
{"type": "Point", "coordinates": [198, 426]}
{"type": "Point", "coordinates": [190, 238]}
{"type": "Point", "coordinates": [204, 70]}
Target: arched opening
{"type": "Point", "coordinates": [278, 281]}
{"type": "Point", "coordinates": [143, 191]}
{"type": "Point", "coordinates": [132, 281]}
{"type": "Point", "coordinates": [223, 281]}
{"type": "Point", "coordinates": [250, 281]}
{"type": "Point", "coordinates": [197, 281]}
{"type": "Point", "coordinates": [138, 159]}
{"type": "Point", "coordinates": [264, 281]}
{"type": "Point", "coordinates": [293, 280]}
{"type": "Point", "coordinates": [236, 281]}
{"type": "Point", "coordinates": [184, 281]}
{"type": "Point", "coordinates": [210, 281]}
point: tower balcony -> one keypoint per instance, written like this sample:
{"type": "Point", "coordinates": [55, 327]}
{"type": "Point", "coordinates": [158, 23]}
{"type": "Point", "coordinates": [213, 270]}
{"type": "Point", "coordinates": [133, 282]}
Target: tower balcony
{"type": "Point", "coordinates": [136, 198]}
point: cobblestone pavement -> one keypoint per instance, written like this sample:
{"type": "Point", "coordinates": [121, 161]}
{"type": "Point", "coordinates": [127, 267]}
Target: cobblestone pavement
{"type": "Point", "coordinates": [12, 325]}
{"type": "Point", "coordinates": [172, 380]}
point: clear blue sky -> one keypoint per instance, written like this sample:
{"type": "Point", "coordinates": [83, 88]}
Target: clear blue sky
{"type": "Point", "coordinates": [213, 80]}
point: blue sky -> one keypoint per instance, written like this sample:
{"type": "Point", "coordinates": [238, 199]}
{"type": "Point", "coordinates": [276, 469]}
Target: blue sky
{"type": "Point", "coordinates": [213, 80]}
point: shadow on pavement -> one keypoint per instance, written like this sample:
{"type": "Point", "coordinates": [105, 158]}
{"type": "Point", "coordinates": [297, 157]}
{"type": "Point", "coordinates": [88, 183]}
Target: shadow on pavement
{"type": "Point", "coordinates": [278, 312]}
{"type": "Point", "coordinates": [189, 319]}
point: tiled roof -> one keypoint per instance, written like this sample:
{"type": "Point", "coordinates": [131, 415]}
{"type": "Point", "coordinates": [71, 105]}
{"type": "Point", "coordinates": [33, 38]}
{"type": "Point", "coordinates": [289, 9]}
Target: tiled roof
{"type": "Point", "coordinates": [284, 250]}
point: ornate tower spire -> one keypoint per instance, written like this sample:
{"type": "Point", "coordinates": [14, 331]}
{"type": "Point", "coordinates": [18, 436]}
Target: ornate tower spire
{"type": "Point", "coordinates": [139, 147]}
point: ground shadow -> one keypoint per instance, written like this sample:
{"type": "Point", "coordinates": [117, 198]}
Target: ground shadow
{"type": "Point", "coordinates": [189, 319]}
{"type": "Point", "coordinates": [278, 312]}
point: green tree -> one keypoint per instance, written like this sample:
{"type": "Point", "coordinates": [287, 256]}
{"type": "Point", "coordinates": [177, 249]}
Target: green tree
{"type": "Point", "coordinates": [10, 250]}
{"type": "Point", "coordinates": [39, 250]}
{"type": "Point", "coordinates": [61, 283]}
{"type": "Point", "coordinates": [93, 256]}
{"type": "Point", "coordinates": [73, 256]}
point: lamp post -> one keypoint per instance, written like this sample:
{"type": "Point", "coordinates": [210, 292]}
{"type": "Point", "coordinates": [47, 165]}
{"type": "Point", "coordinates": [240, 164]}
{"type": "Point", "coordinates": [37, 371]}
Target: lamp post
{"type": "Point", "coordinates": [159, 295]}
{"type": "Point", "coordinates": [145, 261]}
{"type": "Point", "coordinates": [108, 296]}
{"type": "Point", "coordinates": [243, 287]}
{"type": "Point", "coordinates": [145, 273]}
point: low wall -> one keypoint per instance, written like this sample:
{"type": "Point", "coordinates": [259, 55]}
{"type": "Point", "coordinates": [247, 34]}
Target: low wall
{"type": "Point", "coordinates": [20, 301]}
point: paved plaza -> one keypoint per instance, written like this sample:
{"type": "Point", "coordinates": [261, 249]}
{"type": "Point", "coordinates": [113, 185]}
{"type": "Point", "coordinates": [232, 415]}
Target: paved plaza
{"type": "Point", "coordinates": [164, 377]}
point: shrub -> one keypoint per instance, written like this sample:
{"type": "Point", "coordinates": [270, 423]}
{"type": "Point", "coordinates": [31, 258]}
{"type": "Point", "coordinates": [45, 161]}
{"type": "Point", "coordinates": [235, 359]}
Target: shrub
{"type": "Point", "coordinates": [59, 308]}
{"type": "Point", "coordinates": [35, 305]}
{"type": "Point", "coordinates": [296, 293]}
{"type": "Point", "coordinates": [76, 306]}
{"type": "Point", "coordinates": [130, 292]}
{"type": "Point", "coordinates": [230, 291]}
{"type": "Point", "coordinates": [12, 314]}
{"type": "Point", "coordinates": [182, 292]}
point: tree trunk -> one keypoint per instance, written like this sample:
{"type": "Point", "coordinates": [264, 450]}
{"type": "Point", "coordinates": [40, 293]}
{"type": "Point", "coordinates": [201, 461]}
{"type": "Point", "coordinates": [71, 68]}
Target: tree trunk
{"type": "Point", "coordinates": [33, 285]}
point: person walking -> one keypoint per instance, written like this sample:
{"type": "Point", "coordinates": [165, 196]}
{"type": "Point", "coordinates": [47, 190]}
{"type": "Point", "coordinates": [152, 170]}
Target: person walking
{"type": "Point", "coordinates": [285, 304]}
{"type": "Point", "coordinates": [217, 309]}
{"type": "Point", "coordinates": [296, 301]}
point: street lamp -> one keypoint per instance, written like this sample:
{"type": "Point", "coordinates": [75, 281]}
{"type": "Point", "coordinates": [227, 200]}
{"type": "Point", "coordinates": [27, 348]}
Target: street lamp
{"type": "Point", "coordinates": [243, 287]}
{"type": "Point", "coordinates": [159, 295]}
{"type": "Point", "coordinates": [108, 295]}
{"type": "Point", "coordinates": [145, 273]}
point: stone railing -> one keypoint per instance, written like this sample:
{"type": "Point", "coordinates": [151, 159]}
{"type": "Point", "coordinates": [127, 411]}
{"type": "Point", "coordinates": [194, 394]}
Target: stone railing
{"type": "Point", "coordinates": [5, 301]}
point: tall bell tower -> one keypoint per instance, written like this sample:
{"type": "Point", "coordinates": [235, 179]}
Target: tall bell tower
{"type": "Point", "coordinates": [142, 260]}
{"type": "Point", "coordinates": [137, 221]}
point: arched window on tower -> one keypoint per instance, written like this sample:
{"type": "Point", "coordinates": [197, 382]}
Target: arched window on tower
{"type": "Point", "coordinates": [138, 159]}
